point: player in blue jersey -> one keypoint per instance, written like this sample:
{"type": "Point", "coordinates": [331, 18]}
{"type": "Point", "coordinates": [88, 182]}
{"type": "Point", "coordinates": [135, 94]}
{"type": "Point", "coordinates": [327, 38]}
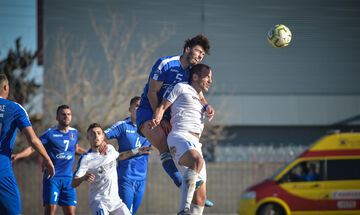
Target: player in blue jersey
{"type": "Point", "coordinates": [131, 171]}
{"type": "Point", "coordinates": [167, 72]}
{"type": "Point", "coordinates": [61, 143]}
{"type": "Point", "coordinates": [13, 117]}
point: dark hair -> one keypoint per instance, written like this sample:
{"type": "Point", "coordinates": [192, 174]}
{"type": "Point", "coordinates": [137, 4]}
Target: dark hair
{"type": "Point", "coordinates": [60, 108]}
{"type": "Point", "coordinates": [134, 99]}
{"type": "Point", "coordinates": [197, 69]}
{"type": "Point", "coordinates": [200, 40]}
{"type": "Point", "coordinates": [94, 125]}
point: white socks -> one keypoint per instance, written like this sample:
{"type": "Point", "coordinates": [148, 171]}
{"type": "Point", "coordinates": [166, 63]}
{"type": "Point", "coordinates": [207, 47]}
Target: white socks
{"type": "Point", "coordinates": [188, 189]}
{"type": "Point", "coordinates": [196, 209]}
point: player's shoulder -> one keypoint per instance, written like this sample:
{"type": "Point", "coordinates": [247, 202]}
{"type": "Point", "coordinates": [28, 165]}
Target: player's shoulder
{"type": "Point", "coordinates": [85, 156]}
{"type": "Point", "coordinates": [50, 130]}
{"type": "Point", "coordinates": [117, 124]}
{"type": "Point", "coordinates": [72, 129]}
{"type": "Point", "coordinates": [14, 105]}
{"type": "Point", "coordinates": [111, 148]}
{"type": "Point", "coordinates": [170, 58]}
{"type": "Point", "coordinates": [83, 160]}
{"type": "Point", "coordinates": [182, 85]}
{"type": "Point", "coordinates": [162, 62]}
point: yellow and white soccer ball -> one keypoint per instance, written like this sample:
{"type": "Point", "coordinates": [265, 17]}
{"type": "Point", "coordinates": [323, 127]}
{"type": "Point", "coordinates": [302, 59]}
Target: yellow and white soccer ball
{"type": "Point", "coordinates": [279, 36]}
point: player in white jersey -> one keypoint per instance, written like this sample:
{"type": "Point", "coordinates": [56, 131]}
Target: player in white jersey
{"type": "Point", "coordinates": [187, 121]}
{"type": "Point", "coordinates": [100, 170]}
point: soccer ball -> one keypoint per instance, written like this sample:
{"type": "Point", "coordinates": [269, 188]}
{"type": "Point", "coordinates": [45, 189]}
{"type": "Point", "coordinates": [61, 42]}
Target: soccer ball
{"type": "Point", "coordinates": [279, 36]}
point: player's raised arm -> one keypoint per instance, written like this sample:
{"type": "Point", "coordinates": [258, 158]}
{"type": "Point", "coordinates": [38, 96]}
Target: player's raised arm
{"type": "Point", "coordinates": [209, 109]}
{"type": "Point", "coordinates": [154, 87]}
{"type": "Point", "coordinates": [159, 112]}
{"type": "Point", "coordinates": [133, 152]}
{"type": "Point", "coordinates": [79, 150]}
{"type": "Point", "coordinates": [76, 181]}
{"type": "Point", "coordinates": [34, 141]}
{"type": "Point", "coordinates": [23, 154]}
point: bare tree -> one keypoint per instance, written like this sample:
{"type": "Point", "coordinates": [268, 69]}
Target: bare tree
{"type": "Point", "coordinates": [97, 94]}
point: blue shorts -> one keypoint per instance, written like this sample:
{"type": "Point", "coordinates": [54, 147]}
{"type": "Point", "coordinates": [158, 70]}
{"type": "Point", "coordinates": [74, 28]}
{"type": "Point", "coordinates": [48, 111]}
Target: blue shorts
{"type": "Point", "coordinates": [10, 202]}
{"type": "Point", "coordinates": [143, 115]}
{"type": "Point", "coordinates": [58, 191]}
{"type": "Point", "coordinates": [131, 193]}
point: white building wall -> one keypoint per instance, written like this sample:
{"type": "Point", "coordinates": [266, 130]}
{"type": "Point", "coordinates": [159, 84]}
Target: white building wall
{"type": "Point", "coordinates": [278, 110]}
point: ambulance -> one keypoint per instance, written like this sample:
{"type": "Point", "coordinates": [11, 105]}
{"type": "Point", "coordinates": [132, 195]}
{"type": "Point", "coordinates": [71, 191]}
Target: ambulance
{"type": "Point", "coordinates": [325, 179]}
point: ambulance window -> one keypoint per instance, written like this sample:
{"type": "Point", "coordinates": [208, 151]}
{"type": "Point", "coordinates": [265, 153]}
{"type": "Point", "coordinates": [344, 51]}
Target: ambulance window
{"type": "Point", "coordinates": [343, 169]}
{"type": "Point", "coordinates": [305, 171]}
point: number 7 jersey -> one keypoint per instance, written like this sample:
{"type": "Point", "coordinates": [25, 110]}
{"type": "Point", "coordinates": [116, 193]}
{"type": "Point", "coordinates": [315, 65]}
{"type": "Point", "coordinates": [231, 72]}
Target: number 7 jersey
{"type": "Point", "coordinates": [61, 148]}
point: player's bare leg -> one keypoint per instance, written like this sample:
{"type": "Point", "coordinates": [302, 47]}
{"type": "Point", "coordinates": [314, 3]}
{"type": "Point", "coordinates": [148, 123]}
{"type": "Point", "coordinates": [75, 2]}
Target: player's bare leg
{"type": "Point", "coordinates": [157, 138]}
{"type": "Point", "coordinates": [199, 199]}
{"type": "Point", "coordinates": [194, 161]}
{"type": "Point", "coordinates": [69, 210]}
{"type": "Point", "coordinates": [50, 209]}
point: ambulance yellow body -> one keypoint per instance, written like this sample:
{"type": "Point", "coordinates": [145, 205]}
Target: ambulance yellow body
{"type": "Point", "coordinates": [324, 180]}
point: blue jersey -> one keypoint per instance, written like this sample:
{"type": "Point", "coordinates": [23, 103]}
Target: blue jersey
{"type": "Point", "coordinates": [169, 71]}
{"type": "Point", "coordinates": [12, 116]}
{"type": "Point", "coordinates": [127, 137]}
{"type": "Point", "coordinates": [61, 149]}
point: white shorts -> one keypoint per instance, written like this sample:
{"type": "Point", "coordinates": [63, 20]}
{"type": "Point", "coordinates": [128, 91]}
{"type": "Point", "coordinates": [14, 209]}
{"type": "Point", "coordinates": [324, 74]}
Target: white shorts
{"type": "Point", "coordinates": [97, 209]}
{"type": "Point", "coordinates": [181, 142]}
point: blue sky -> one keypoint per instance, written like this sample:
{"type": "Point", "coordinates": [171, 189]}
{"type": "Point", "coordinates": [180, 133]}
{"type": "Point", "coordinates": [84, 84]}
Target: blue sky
{"type": "Point", "coordinates": [18, 19]}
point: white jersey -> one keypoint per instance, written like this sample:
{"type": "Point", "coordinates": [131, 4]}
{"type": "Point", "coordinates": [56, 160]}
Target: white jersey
{"type": "Point", "coordinates": [104, 188]}
{"type": "Point", "coordinates": [187, 112]}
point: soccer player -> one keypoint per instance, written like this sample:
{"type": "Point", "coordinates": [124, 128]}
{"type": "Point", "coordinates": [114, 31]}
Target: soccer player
{"type": "Point", "coordinates": [167, 72]}
{"type": "Point", "coordinates": [187, 121]}
{"type": "Point", "coordinates": [61, 142]}
{"type": "Point", "coordinates": [13, 116]}
{"type": "Point", "coordinates": [100, 170]}
{"type": "Point", "coordinates": [132, 171]}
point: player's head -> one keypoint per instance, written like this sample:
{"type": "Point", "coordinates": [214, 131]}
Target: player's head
{"type": "Point", "coordinates": [63, 115]}
{"type": "Point", "coordinates": [134, 104]}
{"type": "Point", "coordinates": [95, 135]}
{"type": "Point", "coordinates": [195, 49]}
{"type": "Point", "coordinates": [201, 77]}
{"type": "Point", "coordinates": [4, 86]}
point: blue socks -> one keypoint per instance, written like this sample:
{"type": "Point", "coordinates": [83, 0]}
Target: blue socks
{"type": "Point", "coordinates": [170, 168]}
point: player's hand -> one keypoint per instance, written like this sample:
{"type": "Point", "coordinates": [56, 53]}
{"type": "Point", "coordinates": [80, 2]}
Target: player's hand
{"type": "Point", "coordinates": [50, 170]}
{"type": "Point", "coordinates": [89, 177]}
{"type": "Point", "coordinates": [103, 148]}
{"type": "Point", "coordinates": [145, 150]}
{"type": "Point", "coordinates": [166, 126]}
{"type": "Point", "coordinates": [210, 112]}
{"type": "Point", "coordinates": [153, 123]}
{"type": "Point", "coordinates": [13, 157]}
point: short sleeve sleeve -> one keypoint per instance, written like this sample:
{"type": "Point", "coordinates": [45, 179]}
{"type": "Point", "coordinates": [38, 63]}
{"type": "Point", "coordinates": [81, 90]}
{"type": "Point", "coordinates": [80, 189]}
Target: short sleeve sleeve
{"type": "Point", "coordinates": [43, 137]}
{"type": "Point", "coordinates": [158, 71]}
{"type": "Point", "coordinates": [115, 131]}
{"type": "Point", "coordinates": [22, 118]}
{"type": "Point", "coordinates": [81, 167]}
